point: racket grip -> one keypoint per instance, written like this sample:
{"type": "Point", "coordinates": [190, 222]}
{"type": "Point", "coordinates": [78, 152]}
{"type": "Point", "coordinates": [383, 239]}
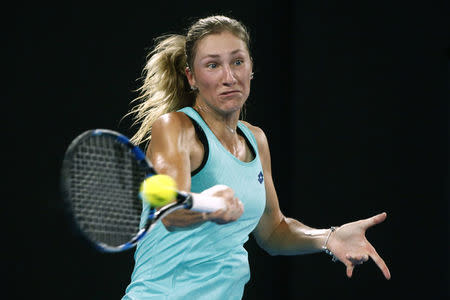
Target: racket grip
{"type": "Point", "coordinates": [204, 203]}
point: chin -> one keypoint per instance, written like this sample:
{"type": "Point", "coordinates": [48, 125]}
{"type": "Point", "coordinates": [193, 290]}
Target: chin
{"type": "Point", "coordinates": [232, 107]}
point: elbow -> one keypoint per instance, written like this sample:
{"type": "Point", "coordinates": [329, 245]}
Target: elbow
{"type": "Point", "coordinates": [168, 225]}
{"type": "Point", "coordinates": [275, 242]}
{"type": "Point", "coordinates": [272, 252]}
{"type": "Point", "coordinates": [176, 223]}
{"type": "Point", "coordinates": [268, 248]}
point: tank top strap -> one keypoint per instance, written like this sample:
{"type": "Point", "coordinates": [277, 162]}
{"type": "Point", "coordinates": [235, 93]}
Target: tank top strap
{"type": "Point", "coordinates": [193, 114]}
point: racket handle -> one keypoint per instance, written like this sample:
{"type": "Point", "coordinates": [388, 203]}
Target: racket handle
{"type": "Point", "coordinates": [204, 203]}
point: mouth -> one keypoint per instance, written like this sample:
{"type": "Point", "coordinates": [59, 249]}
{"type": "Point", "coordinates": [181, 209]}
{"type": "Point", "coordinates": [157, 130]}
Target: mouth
{"type": "Point", "coordinates": [229, 93]}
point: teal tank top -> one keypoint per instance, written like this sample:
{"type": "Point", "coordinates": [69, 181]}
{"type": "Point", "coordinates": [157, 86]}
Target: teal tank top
{"type": "Point", "coordinates": [208, 261]}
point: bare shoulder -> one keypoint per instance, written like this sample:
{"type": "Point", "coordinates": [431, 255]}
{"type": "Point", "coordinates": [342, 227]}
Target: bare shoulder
{"type": "Point", "coordinates": [176, 120]}
{"type": "Point", "coordinates": [173, 125]}
{"type": "Point", "coordinates": [174, 143]}
{"type": "Point", "coordinates": [172, 130]}
{"type": "Point", "coordinates": [258, 133]}
{"type": "Point", "coordinates": [263, 146]}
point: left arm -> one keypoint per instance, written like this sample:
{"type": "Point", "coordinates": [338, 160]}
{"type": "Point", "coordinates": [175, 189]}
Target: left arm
{"type": "Point", "coordinates": [279, 235]}
{"type": "Point", "coordinates": [275, 233]}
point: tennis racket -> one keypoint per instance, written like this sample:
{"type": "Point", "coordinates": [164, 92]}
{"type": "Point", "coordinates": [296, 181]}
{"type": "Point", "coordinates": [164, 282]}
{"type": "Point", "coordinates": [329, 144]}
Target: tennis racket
{"type": "Point", "coordinates": [102, 173]}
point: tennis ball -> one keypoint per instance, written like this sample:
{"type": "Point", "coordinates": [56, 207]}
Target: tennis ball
{"type": "Point", "coordinates": [158, 190]}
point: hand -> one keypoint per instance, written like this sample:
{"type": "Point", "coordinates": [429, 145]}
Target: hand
{"type": "Point", "coordinates": [349, 244]}
{"type": "Point", "coordinates": [234, 207]}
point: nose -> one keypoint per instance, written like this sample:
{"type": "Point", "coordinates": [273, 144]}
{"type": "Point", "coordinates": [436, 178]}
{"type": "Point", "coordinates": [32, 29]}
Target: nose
{"type": "Point", "coordinates": [229, 78]}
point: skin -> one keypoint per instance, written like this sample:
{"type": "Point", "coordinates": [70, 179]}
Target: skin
{"type": "Point", "coordinates": [222, 72]}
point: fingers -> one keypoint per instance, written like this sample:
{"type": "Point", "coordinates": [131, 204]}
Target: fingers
{"type": "Point", "coordinates": [377, 219]}
{"type": "Point", "coordinates": [220, 190]}
{"type": "Point", "coordinates": [358, 259]}
{"type": "Point", "coordinates": [234, 207]}
{"type": "Point", "coordinates": [234, 210]}
{"type": "Point", "coordinates": [352, 261]}
{"type": "Point", "coordinates": [355, 260]}
{"type": "Point", "coordinates": [350, 270]}
{"type": "Point", "coordinates": [230, 214]}
{"type": "Point", "coordinates": [380, 263]}
{"type": "Point", "coordinates": [372, 221]}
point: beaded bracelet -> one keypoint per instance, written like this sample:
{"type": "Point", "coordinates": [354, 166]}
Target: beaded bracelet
{"type": "Point", "coordinates": [325, 248]}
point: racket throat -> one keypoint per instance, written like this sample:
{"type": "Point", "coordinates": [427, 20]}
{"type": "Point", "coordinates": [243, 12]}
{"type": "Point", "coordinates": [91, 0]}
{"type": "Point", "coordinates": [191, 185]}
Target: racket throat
{"type": "Point", "coordinates": [185, 199]}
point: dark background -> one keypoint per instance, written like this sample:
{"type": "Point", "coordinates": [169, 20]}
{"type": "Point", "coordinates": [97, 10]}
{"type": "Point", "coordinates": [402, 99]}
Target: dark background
{"type": "Point", "coordinates": [353, 98]}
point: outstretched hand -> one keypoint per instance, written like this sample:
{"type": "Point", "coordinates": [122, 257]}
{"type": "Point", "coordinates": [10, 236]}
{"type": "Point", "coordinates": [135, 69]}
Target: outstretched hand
{"type": "Point", "coordinates": [349, 244]}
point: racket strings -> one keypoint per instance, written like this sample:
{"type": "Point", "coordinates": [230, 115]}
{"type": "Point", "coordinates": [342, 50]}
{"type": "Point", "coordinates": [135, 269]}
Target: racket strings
{"type": "Point", "coordinates": [105, 187]}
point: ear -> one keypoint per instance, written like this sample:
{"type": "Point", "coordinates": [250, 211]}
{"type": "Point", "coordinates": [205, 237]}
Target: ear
{"type": "Point", "coordinates": [190, 77]}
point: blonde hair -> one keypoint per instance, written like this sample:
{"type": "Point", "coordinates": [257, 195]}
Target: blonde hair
{"type": "Point", "coordinates": [165, 87]}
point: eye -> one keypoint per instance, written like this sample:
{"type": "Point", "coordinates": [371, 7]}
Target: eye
{"type": "Point", "coordinates": [238, 62]}
{"type": "Point", "coordinates": [211, 65]}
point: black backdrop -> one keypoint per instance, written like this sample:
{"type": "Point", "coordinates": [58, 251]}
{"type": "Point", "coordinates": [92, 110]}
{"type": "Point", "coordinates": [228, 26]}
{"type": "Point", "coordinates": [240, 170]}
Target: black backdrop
{"type": "Point", "coordinates": [353, 98]}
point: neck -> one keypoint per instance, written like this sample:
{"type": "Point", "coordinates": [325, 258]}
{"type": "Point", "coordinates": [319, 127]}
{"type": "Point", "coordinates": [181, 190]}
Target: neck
{"type": "Point", "coordinates": [233, 131]}
{"type": "Point", "coordinates": [222, 124]}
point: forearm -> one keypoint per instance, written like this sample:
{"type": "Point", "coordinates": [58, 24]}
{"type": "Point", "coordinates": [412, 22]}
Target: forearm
{"type": "Point", "coordinates": [291, 237]}
{"type": "Point", "coordinates": [183, 219]}
{"type": "Point", "coordinates": [186, 219]}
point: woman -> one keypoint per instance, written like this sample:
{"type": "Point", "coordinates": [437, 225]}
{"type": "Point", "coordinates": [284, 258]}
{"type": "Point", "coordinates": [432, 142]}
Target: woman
{"type": "Point", "coordinates": [194, 91]}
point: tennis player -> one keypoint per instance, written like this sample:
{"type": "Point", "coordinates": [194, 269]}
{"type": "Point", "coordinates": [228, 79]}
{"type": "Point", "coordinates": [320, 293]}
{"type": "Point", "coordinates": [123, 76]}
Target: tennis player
{"type": "Point", "coordinates": [188, 110]}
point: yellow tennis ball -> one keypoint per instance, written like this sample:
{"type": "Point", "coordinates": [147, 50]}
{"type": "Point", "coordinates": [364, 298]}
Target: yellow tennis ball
{"type": "Point", "coordinates": [158, 190]}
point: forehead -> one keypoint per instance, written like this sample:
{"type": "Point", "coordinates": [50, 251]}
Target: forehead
{"type": "Point", "coordinates": [220, 44]}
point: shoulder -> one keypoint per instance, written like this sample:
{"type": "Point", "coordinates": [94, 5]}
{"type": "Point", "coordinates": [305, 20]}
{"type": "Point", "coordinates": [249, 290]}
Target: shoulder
{"type": "Point", "coordinates": [176, 122]}
{"type": "Point", "coordinates": [173, 125]}
{"type": "Point", "coordinates": [172, 119]}
{"type": "Point", "coordinates": [259, 134]}
{"type": "Point", "coordinates": [263, 146]}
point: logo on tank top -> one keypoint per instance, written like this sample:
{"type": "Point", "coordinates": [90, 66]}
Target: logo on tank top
{"type": "Point", "coordinates": [260, 177]}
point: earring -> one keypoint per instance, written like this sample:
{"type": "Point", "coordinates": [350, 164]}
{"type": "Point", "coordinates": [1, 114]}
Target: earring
{"type": "Point", "coordinates": [251, 75]}
{"type": "Point", "coordinates": [194, 88]}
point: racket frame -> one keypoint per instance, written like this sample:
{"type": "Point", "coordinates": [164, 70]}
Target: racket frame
{"type": "Point", "coordinates": [184, 200]}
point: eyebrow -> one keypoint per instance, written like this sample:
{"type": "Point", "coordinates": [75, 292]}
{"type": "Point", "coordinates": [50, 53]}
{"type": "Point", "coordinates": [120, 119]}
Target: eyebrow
{"type": "Point", "coordinates": [217, 55]}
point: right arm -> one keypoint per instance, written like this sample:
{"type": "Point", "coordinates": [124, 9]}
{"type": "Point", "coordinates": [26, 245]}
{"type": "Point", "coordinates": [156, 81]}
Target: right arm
{"type": "Point", "coordinates": [174, 150]}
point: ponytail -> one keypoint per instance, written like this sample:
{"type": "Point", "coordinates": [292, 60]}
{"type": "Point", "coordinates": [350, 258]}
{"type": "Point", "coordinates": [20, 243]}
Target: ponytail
{"type": "Point", "coordinates": [165, 87]}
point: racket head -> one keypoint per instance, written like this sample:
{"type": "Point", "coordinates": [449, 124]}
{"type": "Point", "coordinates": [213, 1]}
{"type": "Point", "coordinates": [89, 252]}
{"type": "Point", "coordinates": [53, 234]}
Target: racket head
{"type": "Point", "coordinates": [101, 176]}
